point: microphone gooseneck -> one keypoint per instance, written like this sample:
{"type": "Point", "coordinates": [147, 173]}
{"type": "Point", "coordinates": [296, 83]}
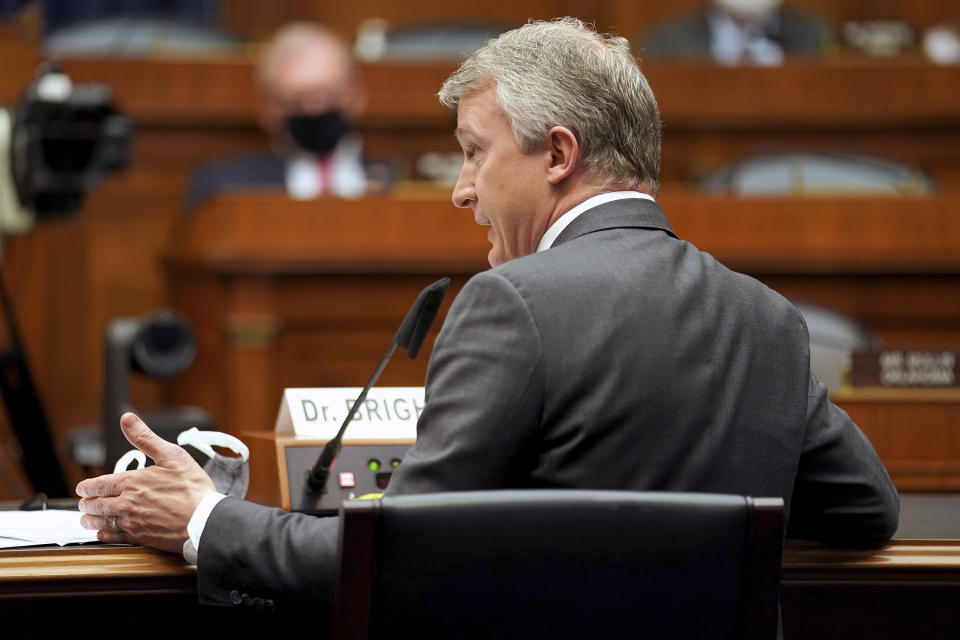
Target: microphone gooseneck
{"type": "Point", "coordinates": [409, 336]}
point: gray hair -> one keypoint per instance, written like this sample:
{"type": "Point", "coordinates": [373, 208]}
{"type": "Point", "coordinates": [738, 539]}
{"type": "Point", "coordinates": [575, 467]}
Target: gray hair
{"type": "Point", "coordinates": [563, 73]}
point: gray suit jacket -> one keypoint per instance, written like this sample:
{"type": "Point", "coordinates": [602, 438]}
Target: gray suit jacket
{"type": "Point", "coordinates": [621, 358]}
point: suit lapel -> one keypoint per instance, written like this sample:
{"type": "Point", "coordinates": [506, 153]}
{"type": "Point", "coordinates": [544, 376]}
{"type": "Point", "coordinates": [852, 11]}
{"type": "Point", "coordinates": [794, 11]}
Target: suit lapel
{"type": "Point", "coordinates": [635, 213]}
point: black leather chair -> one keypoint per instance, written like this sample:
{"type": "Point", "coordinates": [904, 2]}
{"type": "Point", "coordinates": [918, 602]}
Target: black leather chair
{"type": "Point", "coordinates": [559, 564]}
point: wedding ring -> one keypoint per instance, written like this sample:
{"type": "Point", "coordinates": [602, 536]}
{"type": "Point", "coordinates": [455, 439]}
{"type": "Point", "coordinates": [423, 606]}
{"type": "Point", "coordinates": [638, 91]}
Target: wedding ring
{"type": "Point", "coordinates": [113, 523]}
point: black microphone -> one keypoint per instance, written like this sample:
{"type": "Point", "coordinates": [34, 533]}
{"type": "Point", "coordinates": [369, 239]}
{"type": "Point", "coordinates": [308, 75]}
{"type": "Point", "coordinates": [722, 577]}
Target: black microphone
{"type": "Point", "coordinates": [410, 337]}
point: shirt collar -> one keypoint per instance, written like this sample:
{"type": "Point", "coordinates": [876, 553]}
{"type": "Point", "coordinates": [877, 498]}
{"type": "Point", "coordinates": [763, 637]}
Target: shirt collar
{"type": "Point", "coordinates": [561, 223]}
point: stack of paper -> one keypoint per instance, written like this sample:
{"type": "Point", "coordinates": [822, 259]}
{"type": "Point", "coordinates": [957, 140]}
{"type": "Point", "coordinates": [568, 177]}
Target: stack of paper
{"type": "Point", "coordinates": [53, 526]}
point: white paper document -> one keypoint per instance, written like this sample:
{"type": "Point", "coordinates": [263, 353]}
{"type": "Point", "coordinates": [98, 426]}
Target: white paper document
{"type": "Point", "coordinates": [52, 526]}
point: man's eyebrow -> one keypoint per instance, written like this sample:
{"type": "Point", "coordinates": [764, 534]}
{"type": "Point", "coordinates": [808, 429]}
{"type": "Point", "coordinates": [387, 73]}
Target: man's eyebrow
{"type": "Point", "coordinates": [459, 132]}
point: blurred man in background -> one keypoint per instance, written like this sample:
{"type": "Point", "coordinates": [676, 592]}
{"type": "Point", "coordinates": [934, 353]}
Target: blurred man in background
{"type": "Point", "coordinates": [733, 32]}
{"type": "Point", "coordinates": [309, 96]}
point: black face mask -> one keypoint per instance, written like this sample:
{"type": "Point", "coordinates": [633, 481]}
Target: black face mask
{"type": "Point", "coordinates": [318, 132]}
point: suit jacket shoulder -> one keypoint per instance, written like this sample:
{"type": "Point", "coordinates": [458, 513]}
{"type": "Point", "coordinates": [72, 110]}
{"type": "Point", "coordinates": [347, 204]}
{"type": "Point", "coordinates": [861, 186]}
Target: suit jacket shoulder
{"type": "Point", "coordinates": [625, 358]}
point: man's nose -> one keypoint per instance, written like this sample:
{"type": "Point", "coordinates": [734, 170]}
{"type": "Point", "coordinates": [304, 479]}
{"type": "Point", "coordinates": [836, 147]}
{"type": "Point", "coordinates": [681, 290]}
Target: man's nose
{"type": "Point", "coordinates": [464, 193]}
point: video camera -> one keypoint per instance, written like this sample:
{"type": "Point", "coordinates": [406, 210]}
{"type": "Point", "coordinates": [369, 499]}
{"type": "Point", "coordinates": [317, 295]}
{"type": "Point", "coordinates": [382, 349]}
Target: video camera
{"type": "Point", "coordinates": [57, 143]}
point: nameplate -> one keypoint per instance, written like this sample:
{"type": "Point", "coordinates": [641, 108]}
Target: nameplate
{"type": "Point", "coordinates": [905, 368]}
{"type": "Point", "coordinates": [387, 413]}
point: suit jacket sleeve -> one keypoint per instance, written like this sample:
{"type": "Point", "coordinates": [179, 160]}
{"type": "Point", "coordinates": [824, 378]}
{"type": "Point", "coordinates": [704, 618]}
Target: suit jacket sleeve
{"type": "Point", "coordinates": [267, 553]}
{"type": "Point", "coordinates": [843, 495]}
{"type": "Point", "coordinates": [481, 383]}
{"type": "Point", "coordinates": [483, 395]}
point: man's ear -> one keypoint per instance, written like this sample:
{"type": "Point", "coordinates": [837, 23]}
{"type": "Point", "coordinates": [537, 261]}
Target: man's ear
{"type": "Point", "coordinates": [564, 154]}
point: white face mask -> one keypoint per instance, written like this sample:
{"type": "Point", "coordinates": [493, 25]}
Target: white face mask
{"type": "Point", "coordinates": [231, 476]}
{"type": "Point", "coordinates": [748, 9]}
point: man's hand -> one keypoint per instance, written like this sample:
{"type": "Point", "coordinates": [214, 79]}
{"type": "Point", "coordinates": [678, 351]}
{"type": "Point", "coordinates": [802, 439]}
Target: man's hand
{"type": "Point", "coordinates": [149, 506]}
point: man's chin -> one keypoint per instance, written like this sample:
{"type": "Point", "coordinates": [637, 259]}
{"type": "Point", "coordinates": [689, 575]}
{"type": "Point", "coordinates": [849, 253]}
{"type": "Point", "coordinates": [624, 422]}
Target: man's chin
{"type": "Point", "coordinates": [498, 256]}
{"type": "Point", "coordinates": [495, 256]}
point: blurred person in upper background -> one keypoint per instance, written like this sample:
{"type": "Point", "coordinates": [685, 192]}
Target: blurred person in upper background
{"type": "Point", "coordinates": [309, 96]}
{"type": "Point", "coordinates": [941, 43]}
{"type": "Point", "coordinates": [122, 27]}
{"type": "Point", "coordinates": [731, 32]}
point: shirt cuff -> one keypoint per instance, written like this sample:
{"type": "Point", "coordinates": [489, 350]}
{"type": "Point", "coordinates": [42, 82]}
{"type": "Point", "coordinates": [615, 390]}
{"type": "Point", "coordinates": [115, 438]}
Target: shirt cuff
{"type": "Point", "coordinates": [198, 521]}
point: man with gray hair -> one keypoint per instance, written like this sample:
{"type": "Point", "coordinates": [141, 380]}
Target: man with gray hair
{"type": "Point", "coordinates": [600, 351]}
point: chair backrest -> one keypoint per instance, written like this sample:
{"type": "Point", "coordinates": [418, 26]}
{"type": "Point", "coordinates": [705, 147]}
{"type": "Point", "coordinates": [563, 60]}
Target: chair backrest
{"type": "Point", "coordinates": [559, 564]}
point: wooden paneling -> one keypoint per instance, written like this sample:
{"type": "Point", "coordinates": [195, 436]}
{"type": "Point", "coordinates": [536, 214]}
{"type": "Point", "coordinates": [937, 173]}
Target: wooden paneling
{"type": "Point", "coordinates": [904, 110]}
{"type": "Point", "coordinates": [764, 235]}
{"type": "Point", "coordinates": [862, 94]}
{"type": "Point", "coordinates": [18, 61]}
{"type": "Point", "coordinates": [916, 433]}
{"type": "Point", "coordinates": [311, 295]}
{"type": "Point", "coordinates": [859, 94]}
{"type": "Point", "coordinates": [174, 91]}
{"type": "Point", "coordinates": [822, 235]}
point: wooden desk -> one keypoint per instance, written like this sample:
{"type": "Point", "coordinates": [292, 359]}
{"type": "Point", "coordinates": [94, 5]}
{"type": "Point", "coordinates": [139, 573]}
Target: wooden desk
{"type": "Point", "coordinates": [92, 570]}
{"type": "Point", "coordinates": [908, 589]}
{"type": "Point", "coordinates": [95, 592]}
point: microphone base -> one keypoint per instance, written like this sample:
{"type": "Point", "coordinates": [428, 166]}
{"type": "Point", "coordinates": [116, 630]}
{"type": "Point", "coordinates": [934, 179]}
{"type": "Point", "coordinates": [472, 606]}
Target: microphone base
{"type": "Point", "coordinates": [351, 477]}
{"type": "Point", "coordinates": [314, 485]}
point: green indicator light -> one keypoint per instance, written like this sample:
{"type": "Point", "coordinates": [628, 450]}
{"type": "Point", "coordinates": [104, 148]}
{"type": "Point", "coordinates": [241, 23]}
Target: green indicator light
{"type": "Point", "coordinates": [394, 463]}
{"type": "Point", "coordinates": [373, 465]}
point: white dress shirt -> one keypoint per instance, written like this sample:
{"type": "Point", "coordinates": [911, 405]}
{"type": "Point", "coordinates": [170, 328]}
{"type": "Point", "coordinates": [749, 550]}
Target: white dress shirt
{"type": "Point", "coordinates": [561, 223]}
{"type": "Point", "coordinates": [342, 174]}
